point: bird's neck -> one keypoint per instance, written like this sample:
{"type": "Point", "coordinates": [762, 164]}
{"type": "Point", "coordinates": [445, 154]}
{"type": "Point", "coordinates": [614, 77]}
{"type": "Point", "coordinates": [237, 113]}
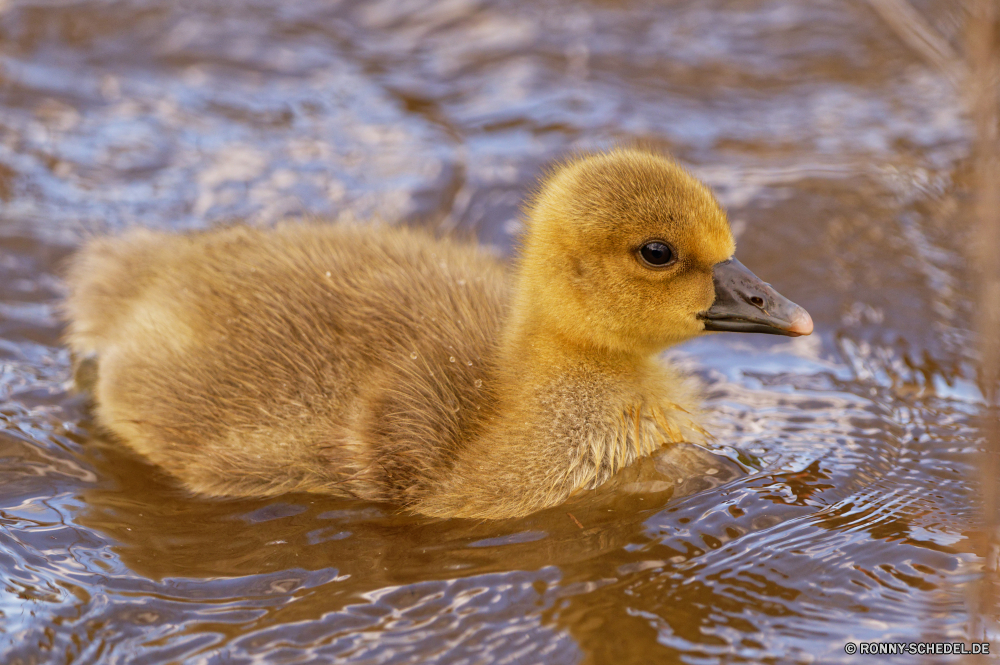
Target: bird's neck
{"type": "Point", "coordinates": [546, 327]}
{"type": "Point", "coordinates": [536, 345]}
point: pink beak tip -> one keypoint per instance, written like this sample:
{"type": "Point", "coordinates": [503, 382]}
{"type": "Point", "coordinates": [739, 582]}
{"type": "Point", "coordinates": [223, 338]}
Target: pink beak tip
{"type": "Point", "coordinates": [802, 323]}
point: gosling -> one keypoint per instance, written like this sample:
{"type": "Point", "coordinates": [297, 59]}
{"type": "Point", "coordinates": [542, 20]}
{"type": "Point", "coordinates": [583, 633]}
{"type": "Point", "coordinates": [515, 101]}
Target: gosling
{"type": "Point", "coordinates": [380, 363]}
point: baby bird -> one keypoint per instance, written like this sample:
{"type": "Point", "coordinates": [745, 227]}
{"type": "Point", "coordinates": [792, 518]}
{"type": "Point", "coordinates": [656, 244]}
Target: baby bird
{"type": "Point", "coordinates": [377, 362]}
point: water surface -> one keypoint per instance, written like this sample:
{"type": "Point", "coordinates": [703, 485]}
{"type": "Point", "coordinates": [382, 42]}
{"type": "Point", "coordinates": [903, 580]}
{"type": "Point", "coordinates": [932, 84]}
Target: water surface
{"type": "Point", "coordinates": [840, 156]}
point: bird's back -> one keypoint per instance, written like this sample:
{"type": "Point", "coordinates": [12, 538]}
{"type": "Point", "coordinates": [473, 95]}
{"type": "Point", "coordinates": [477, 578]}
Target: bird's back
{"type": "Point", "coordinates": [345, 358]}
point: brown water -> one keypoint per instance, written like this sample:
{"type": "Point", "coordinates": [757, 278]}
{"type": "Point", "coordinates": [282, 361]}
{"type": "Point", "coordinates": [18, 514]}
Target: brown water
{"type": "Point", "coordinates": [840, 156]}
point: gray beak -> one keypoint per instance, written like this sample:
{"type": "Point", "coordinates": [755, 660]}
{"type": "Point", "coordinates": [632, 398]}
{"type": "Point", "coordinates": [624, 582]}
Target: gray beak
{"type": "Point", "coordinates": [744, 303]}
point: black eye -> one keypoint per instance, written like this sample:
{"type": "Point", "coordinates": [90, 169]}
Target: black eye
{"type": "Point", "coordinates": [656, 254]}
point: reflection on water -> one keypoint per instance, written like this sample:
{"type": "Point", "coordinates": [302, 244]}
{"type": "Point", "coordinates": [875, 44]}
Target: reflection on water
{"type": "Point", "coordinates": [839, 155]}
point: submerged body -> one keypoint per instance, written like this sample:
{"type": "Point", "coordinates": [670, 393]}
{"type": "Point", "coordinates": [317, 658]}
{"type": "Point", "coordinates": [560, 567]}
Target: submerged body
{"type": "Point", "coordinates": [380, 363]}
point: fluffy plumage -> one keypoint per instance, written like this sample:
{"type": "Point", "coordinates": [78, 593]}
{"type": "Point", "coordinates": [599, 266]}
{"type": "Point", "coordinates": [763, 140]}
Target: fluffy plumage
{"type": "Point", "coordinates": [381, 363]}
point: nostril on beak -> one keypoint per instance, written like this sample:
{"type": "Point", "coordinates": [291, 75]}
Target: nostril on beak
{"type": "Point", "coordinates": [757, 301]}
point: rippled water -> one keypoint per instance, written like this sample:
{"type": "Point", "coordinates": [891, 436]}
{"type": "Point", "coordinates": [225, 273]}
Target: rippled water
{"type": "Point", "coordinates": [840, 156]}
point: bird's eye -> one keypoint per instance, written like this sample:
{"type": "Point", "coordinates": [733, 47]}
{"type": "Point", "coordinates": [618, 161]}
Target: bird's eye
{"type": "Point", "coordinates": [657, 254]}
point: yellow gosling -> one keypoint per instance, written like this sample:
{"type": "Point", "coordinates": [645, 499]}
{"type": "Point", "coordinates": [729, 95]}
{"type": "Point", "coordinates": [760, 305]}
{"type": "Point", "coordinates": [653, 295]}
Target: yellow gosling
{"type": "Point", "coordinates": [381, 363]}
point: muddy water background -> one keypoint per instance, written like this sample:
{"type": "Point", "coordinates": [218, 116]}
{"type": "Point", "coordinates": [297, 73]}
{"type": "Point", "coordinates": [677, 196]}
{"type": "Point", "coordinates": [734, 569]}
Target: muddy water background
{"type": "Point", "coordinates": [840, 156]}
